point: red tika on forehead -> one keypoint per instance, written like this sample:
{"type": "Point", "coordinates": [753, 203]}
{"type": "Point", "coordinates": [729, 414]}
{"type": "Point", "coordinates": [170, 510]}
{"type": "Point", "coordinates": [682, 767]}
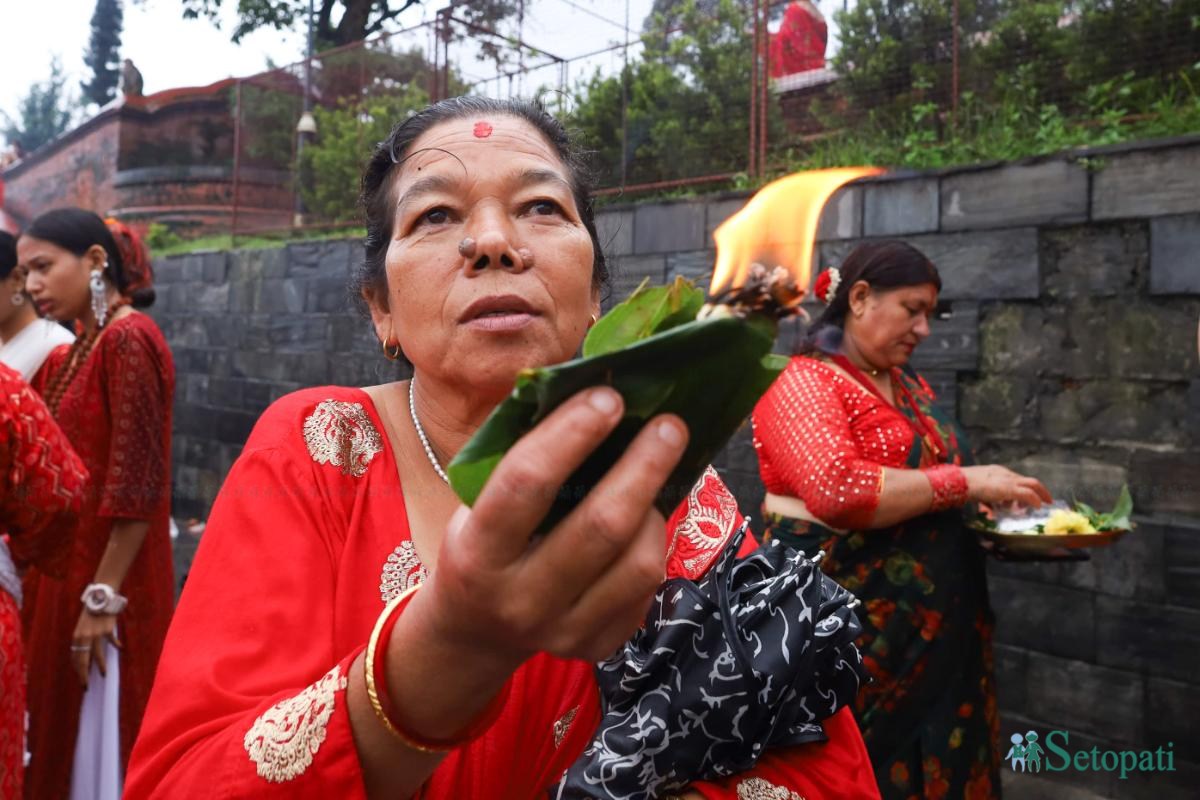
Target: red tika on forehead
{"type": "Point", "coordinates": [483, 130]}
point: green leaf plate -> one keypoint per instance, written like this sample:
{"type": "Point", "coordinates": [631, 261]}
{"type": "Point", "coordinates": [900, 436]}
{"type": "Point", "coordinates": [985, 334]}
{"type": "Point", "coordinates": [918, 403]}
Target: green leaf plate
{"type": "Point", "coordinates": [709, 372]}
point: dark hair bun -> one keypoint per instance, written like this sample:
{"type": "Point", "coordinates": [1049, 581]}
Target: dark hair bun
{"type": "Point", "coordinates": [143, 297]}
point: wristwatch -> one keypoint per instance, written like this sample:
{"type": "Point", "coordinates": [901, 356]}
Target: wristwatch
{"type": "Point", "coordinates": [101, 599]}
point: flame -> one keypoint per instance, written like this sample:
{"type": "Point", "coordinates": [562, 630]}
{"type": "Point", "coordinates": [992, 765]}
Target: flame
{"type": "Point", "coordinates": [778, 226]}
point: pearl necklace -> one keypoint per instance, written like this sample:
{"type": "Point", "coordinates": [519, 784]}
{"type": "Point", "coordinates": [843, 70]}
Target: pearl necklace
{"type": "Point", "coordinates": [412, 409]}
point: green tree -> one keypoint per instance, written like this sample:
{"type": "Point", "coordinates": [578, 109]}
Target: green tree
{"type": "Point", "coordinates": [43, 113]}
{"type": "Point", "coordinates": [1027, 49]}
{"type": "Point", "coordinates": [897, 55]}
{"type": "Point", "coordinates": [102, 55]}
{"type": "Point", "coordinates": [893, 51]}
{"type": "Point", "coordinates": [687, 101]}
{"type": "Point", "coordinates": [358, 18]}
{"type": "Point", "coordinates": [331, 166]}
{"type": "Point", "coordinates": [1149, 38]}
{"type": "Point", "coordinates": [668, 14]}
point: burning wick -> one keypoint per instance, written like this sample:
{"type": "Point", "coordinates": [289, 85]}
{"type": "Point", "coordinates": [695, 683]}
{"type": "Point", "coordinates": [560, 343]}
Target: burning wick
{"type": "Point", "coordinates": [771, 292]}
{"type": "Point", "coordinates": [483, 130]}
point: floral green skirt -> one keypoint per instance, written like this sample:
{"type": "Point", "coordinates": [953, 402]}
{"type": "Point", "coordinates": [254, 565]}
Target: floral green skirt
{"type": "Point", "coordinates": [929, 715]}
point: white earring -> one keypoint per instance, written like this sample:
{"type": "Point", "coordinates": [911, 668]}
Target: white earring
{"type": "Point", "coordinates": [99, 305]}
{"type": "Point", "coordinates": [17, 299]}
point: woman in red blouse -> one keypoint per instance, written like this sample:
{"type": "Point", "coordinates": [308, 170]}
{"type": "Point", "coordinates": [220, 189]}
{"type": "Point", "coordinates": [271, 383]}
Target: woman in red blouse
{"type": "Point", "coordinates": [337, 526]}
{"type": "Point", "coordinates": [41, 489]}
{"type": "Point", "coordinates": [858, 462]}
{"type": "Point", "coordinates": [111, 392]}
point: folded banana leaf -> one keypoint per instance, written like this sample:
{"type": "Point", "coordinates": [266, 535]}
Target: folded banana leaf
{"type": "Point", "coordinates": [654, 351]}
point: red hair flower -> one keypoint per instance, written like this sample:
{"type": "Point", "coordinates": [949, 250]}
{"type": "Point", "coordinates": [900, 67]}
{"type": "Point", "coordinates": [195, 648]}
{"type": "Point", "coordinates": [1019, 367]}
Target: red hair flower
{"type": "Point", "coordinates": [827, 285]}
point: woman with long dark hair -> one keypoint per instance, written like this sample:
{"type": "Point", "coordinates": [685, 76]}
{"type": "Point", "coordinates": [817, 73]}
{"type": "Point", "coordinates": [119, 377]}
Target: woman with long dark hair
{"type": "Point", "coordinates": [111, 392]}
{"type": "Point", "coordinates": [858, 462]}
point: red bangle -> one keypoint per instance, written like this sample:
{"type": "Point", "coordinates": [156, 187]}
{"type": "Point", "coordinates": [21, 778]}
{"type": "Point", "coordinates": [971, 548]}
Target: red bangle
{"type": "Point", "coordinates": [949, 486]}
{"type": "Point", "coordinates": [376, 676]}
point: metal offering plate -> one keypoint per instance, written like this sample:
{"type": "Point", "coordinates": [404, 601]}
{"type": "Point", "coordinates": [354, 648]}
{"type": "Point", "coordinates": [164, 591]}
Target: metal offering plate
{"type": "Point", "coordinates": [1019, 532]}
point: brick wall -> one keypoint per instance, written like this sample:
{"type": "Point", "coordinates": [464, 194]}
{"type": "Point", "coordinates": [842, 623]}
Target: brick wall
{"type": "Point", "coordinates": [1071, 352]}
{"type": "Point", "coordinates": [166, 158]}
{"type": "Point", "coordinates": [77, 170]}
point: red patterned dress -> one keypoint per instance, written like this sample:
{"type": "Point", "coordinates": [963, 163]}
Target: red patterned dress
{"type": "Point", "coordinates": [307, 542]}
{"type": "Point", "coordinates": [117, 415]}
{"type": "Point", "coordinates": [41, 489]}
{"type": "Point", "coordinates": [823, 438]}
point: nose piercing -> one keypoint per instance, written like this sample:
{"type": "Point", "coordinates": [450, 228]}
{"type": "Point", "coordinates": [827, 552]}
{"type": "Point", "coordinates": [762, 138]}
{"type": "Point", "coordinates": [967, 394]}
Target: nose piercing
{"type": "Point", "coordinates": [466, 248]}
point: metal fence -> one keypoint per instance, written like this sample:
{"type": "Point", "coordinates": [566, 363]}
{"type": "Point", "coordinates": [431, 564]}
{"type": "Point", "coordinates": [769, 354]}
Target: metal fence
{"type": "Point", "coordinates": [720, 93]}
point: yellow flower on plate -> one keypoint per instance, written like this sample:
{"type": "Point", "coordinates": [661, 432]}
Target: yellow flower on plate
{"type": "Point", "coordinates": [1062, 521]}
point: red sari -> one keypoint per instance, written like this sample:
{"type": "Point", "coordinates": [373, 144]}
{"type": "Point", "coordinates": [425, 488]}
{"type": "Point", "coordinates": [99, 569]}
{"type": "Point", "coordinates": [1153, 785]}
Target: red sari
{"type": "Point", "coordinates": [117, 415]}
{"type": "Point", "coordinates": [306, 543]}
{"type": "Point", "coordinates": [41, 488]}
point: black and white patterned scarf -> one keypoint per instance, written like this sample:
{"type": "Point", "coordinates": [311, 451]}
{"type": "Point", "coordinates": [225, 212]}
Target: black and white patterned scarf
{"type": "Point", "coordinates": [754, 655]}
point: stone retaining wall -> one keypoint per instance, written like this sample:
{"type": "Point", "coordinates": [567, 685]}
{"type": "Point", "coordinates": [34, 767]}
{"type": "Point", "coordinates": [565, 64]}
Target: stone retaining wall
{"type": "Point", "coordinates": [1074, 285]}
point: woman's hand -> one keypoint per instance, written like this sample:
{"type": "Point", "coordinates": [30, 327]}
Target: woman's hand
{"type": "Point", "coordinates": [499, 596]}
{"type": "Point", "coordinates": [584, 588]}
{"type": "Point", "coordinates": [997, 485]}
{"type": "Point", "coordinates": [92, 631]}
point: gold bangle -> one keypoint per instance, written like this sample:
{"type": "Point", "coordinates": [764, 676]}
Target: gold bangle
{"type": "Point", "coordinates": [369, 669]}
{"type": "Point", "coordinates": [376, 678]}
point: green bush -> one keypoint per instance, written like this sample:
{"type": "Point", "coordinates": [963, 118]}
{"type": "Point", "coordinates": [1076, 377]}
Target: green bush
{"type": "Point", "coordinates": [331, 166]}
{"type": "Point", "coordinates": [159, 238]}
{"type": "Point", "coordinates": [688, 101]}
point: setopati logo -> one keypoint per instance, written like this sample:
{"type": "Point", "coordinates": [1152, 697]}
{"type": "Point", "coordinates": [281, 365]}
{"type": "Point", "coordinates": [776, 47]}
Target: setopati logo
{"type": "Point", "coordinates": [1029, 753]}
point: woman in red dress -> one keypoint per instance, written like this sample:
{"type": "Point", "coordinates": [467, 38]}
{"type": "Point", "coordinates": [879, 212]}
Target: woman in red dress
{"type": "Point", "coordinates": [41, 489]}
{"type": "Point", "coordinates": [858, 462]}
{"type": "Point", "coordinates": [111, 392]}
{"type": "Point", "coordinates": [337, 526]}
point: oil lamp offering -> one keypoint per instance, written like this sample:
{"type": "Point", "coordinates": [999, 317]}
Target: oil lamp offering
{"type": "Point", "coordinates": [672, 349]}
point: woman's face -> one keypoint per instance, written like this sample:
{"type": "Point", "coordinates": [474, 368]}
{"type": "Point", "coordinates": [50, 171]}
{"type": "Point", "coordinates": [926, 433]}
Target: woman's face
{"type": "Point", "coordinates": [57, 279]}
{"type": "Point", "coordinates": [519, 294]}
{"type": "Point", "coordinates": [887, 325]}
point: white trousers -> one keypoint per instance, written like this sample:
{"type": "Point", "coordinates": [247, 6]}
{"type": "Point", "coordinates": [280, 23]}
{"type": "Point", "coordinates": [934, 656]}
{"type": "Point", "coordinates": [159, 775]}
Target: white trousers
{"type": "Point", "coordinates": [96, 773]}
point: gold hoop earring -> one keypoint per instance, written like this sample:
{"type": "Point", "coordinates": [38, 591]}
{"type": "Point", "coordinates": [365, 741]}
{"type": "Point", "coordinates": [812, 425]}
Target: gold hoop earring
{"type": "Point", "coordinates": [594, 320]}
{"type": "Point", "coordinates": [392, 352]}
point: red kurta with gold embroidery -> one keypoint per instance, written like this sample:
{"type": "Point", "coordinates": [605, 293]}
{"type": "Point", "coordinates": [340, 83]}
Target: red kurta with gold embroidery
{"type": "Point", "coordinates": [41, 489]}
{"type": "Point", "coordinates": [117, 415]}
{"type": "Point", "coordinates": [306, 543]}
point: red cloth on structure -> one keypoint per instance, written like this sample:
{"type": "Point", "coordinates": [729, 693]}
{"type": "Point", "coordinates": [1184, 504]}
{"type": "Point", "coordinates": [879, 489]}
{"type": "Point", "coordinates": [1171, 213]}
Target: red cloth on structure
{"type": "Point", "coordinates": [117, 415]}
{"type": "Point", "coordinates": [41, 488]}
{"type": "Point", "coordinates": [306, 542]}
{"type": "Point", "coordinates": [800, 44]}
{"type": "Point", "coordinates": [825, 439]}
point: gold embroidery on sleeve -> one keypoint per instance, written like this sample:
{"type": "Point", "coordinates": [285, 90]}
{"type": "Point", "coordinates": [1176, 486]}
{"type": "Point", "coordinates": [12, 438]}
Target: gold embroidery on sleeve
{"type": "Point", "coordinates": [563, 726]}
{"type": "Point", "coordinates": [402, 570]}
{"type": "Point", "coordinates": [711, 518]}
{"type": "Point", "coordinates": [283, 741]}
{"type": "Point", "coordinates": [342, 435]}
{"type": "Point", "coordinates": [759, 789]}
